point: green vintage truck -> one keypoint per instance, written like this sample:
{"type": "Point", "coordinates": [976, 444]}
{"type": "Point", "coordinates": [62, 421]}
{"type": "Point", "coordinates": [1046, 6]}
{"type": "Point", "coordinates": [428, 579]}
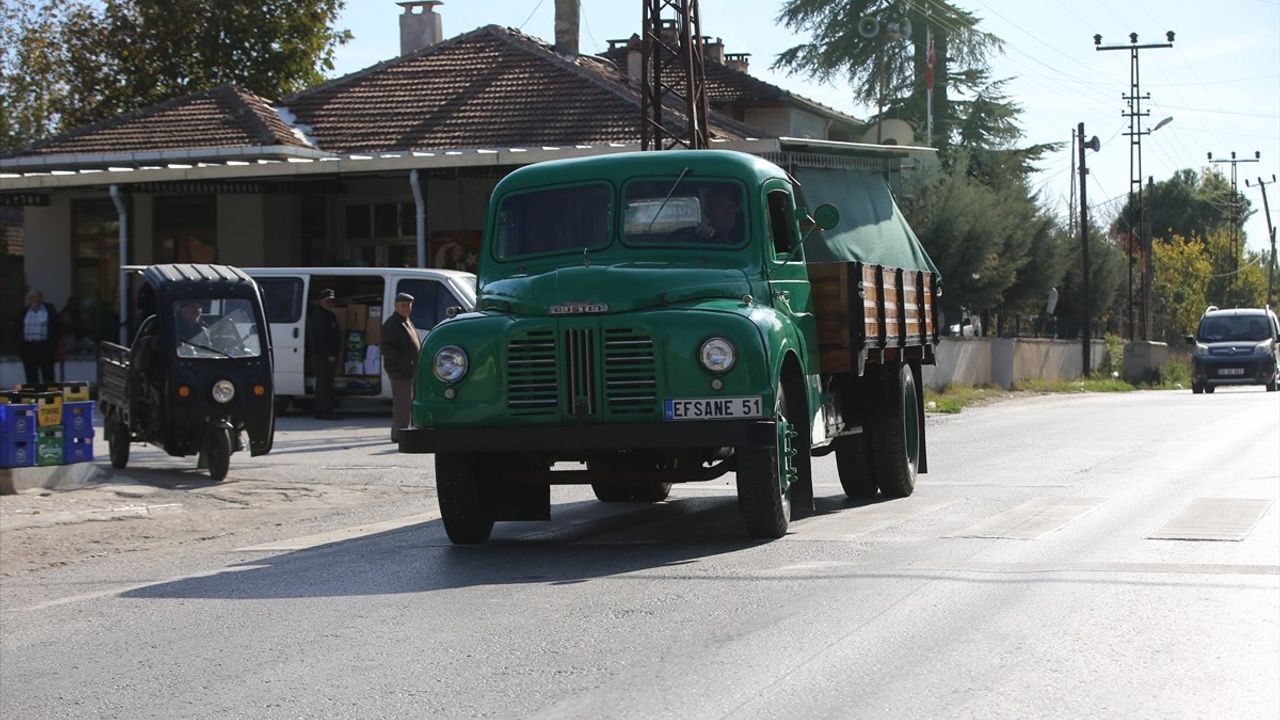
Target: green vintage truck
{"type": "Point", "coordinates": [651, 318]}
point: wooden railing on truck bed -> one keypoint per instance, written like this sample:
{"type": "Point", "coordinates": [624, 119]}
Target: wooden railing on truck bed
{"type": "Point", "coordinates": [873, 314]}
{"type": "Point", "coordinates": [113, 379]}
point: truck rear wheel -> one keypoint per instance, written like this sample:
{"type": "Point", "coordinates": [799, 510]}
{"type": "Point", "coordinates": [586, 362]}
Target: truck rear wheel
{"type": "Point", "coordinates": [852, 464]}
{"type": "Point", "coordinates": [895, 433]}
{"type": "Point", "coordinates": [117, 442]}
{"type": "Point", "coordinates": [765, 508]}
{"type": "Point", "coordinates": [467, 517]}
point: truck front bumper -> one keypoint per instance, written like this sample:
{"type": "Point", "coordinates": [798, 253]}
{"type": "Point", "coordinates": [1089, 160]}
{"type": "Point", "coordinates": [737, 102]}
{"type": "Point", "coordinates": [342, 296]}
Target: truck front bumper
{"type": "Point", "coordinates": [568, 439]}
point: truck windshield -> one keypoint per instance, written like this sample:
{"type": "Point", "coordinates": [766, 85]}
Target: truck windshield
{"type": "Point", "coordinates": [687, 212]}
{"type": "Point", "coordinates": [570, 219]}
{"type": "Point", "coordinates": [1239, 328]}
{"type": "Point", "coordinates": [215, 328]}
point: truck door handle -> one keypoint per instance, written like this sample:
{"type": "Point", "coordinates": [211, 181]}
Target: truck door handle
{"type": "Point", "coordinates": [295, 333]}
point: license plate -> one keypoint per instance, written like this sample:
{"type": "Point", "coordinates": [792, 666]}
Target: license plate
{"type": "Point", "coordinates": [1230, 371]}
{"type": "Point", "coordinates": [718, 408]}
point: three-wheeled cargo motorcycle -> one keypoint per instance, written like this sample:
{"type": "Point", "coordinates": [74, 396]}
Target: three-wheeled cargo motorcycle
{"type": "Point", "coordinates": [197, 377]}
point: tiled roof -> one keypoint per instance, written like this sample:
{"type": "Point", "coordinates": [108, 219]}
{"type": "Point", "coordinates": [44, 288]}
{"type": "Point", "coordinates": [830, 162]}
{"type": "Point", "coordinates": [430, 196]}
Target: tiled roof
{"type": "Point", "coordinates": [224, 117]}
{"type": "Point", "coordinates": [726, 86]}
{"type": "Point", "coordinates": [491, 87]}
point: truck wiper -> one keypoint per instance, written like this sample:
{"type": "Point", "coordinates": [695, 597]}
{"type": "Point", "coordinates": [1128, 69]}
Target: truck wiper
{"type": "Point", "coordinates": [206, 347]}
{"type": "Point", "coordinates": [670, 192]}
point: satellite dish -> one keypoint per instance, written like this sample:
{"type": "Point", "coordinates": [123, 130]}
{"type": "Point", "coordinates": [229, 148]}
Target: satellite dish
{"type": "Point", "coordinates": [868, 27]}
{"type": "Point", "coordinates": [892, 132]}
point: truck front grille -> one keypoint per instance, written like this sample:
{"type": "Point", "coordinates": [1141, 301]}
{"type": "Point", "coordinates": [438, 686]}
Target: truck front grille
{"type": "Point", "coordinates": [580, 354]}
{"type": "Point", "coordinates": [531, 374]}
{"type": "Point", "coordinates": [629, 379]}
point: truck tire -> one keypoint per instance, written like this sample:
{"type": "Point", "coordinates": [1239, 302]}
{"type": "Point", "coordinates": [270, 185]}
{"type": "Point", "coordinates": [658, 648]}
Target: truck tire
{"type": "Point", "coordinates": [467, 517]}
{"type": "Point", "coordinates": [117, 442]}
{"type": "Point", "coordinates": [765, 508]}
{"type": "Point", "coordinates": [856, 478]}
{"type": "Point", "coordinates": [220, 454]}
{"type": "Point", "coordinates": [611, 492]}
{"type": "Point", "coordinates": [895, 433]}
{"type": "Point", "coordinates": [1196, 388]}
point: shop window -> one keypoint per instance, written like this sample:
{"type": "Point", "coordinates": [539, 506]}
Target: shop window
{"type": "Point", "coordinates": [95, 261]}
{"type": "Point", "coordinates": [186, 229]}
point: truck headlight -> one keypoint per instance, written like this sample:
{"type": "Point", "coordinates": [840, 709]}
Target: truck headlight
{"type": "Point", "coordinates": [718, 355]}
{"type": "Point", "coordinates": [449, 364]}
{"type": "Point", "coordinates": [223, 391]}
{"type": "Point", "coordinates": [1201, 350]}
{"type": "Point", "coordinates": [1262, 348]}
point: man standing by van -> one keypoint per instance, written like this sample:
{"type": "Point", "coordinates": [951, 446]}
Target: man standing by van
{"type": "Point", "coordinates": [323, 343]}
{"type": "Point", "coordinates": [400, 347]}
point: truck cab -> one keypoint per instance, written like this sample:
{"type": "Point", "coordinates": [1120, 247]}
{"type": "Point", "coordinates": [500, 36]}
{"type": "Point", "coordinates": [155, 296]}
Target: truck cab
{"type": "Point", "coordinates": [646, 315]}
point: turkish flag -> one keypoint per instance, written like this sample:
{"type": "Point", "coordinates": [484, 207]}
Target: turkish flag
{"type": "Point", "coordinates": [929, 65]}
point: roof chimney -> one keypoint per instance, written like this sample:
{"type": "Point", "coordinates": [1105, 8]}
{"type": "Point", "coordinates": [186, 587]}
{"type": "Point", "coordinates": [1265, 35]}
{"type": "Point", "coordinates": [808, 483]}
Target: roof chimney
{"type": "Point", "coordinates": [737, 61]}
{"type": "Point", "coordinates": [567, 28]}
{"type": "Point", "coordinates": [713, 51]}
{"type": "Point", "coordinates": [635, 59]}
{"type": "Point", "coordinates": [419, 30]}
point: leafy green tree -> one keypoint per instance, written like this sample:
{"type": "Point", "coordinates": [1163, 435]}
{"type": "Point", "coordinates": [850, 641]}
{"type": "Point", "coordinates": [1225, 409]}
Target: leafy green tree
{"type": "Point", "coordinates": [1239, 277]}
{"type": "Point", "coordinates": [889, 71]}
{"type": "Point", "coordinates": [1106, 280]}
{"type": "Point", "coordinates": [76, 62]}
{"type": "Point", "coordinates": [1188, 204]}
{"type": "Point", "coordinates": [1182, 273]}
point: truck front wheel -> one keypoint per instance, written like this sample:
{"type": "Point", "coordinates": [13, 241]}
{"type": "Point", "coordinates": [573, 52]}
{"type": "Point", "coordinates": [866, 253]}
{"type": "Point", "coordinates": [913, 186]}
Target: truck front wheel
{"type": "Point", "coordinates": [467, 517]}
{"type": "Point", "coordinates": [895, 433]}
{"type": "Point", "coordinates": [765, 508]}
{"type": "Point", "coordinates": [117, 441]}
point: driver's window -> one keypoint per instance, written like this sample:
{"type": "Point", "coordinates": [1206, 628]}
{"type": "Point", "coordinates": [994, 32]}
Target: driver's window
{"type": "Point", "coordinates": [781, 222]}
{"type": "Point", "coordinates": [215, 328]}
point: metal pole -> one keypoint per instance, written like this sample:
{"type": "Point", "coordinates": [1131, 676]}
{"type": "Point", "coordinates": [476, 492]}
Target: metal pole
{"type": "Point", "coordinates": [1148, 264]}
{"type": "Point", "coordinates": [1235, 212]}
{"type": "Point", "coordinates": [420, 214]}
{"type": "Point", "coordinates": [1271, 233]}
{"type": "Point", "coordinates": [122, 243]}
{"type": "Point", "coordinates": [1086, 336]}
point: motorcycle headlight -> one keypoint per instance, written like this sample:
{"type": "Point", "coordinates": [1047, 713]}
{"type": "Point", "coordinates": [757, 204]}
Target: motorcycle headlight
{"type": "Point", "coordinates": [718, 355]}
{"type": "Point", "coordinates": [223, 391]}
{"type": "Point", "coordinates": [1201, 350]}
{"type": "Point", "coordinates": [449, 364]}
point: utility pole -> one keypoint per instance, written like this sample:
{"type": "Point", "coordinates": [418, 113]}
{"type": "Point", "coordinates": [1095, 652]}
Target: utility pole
{"type": "Point", "coordinates": [1235, 208]}
{"type": "Point", "coordinates": [1086, 300]}
{"type": "Point", "coordinates": [1148, 263]}
{"type": "Point", "coordinates": [672, 66]}
{"type": "Point", "coordinates": [1135, 114]}
{"type": "Point", "coordinates": [1271, 230]}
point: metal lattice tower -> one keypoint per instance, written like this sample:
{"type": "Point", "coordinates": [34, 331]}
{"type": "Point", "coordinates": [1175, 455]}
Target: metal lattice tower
{"type": "Point", "coordinates": [672, 74]}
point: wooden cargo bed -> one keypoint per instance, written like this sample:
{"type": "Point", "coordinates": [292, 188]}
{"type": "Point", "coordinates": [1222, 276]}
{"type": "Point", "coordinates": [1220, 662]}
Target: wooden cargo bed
{"type": "Point", "coordinates": [871, 314]}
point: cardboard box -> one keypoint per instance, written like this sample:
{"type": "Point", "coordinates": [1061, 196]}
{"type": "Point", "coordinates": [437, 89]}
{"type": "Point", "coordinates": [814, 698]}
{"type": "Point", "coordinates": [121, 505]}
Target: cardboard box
{"type": "Point", "coordinates": [357, 316]}
{"type": "Point", "coordinates": [373, 333]}
{"type": "Point", "coordinates": [375, 314]}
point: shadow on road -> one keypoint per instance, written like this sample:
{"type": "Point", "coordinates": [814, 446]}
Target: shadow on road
{"type": "Point", "coordinates": [584, 541]}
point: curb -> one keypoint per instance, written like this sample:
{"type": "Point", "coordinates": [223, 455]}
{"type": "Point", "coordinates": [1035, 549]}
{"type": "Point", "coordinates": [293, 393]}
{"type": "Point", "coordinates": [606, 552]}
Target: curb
{"type": "Point", "coordinates": [55, 477]}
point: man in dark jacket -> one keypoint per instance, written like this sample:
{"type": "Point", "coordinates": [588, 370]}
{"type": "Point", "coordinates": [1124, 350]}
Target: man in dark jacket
{"type": "Point", "coordinates": [38, 333]}
{"type": "Point", "coordinates": [324, 340]}
{"type": "Point", "coordinates": [400, 347]}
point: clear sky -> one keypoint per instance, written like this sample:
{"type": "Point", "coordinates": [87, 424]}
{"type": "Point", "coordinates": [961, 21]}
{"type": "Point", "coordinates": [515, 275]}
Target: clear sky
{"type": "Point", "coordinates": [1220, 82]}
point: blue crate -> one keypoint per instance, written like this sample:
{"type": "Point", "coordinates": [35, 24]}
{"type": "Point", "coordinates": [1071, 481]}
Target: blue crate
{"type": "Point", "coordinates": [76, 449]}
{"type": "Point", "coordinates": [17, 420]}
{"type": "Point", "coordinates": [77, 418]}
{"type": "Point", "coordinates": [17, 451]}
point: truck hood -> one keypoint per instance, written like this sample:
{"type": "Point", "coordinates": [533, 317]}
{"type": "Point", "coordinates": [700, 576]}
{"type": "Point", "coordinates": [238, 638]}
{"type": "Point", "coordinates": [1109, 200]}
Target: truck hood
{"type": "Point", "coordinates": [613, 288]}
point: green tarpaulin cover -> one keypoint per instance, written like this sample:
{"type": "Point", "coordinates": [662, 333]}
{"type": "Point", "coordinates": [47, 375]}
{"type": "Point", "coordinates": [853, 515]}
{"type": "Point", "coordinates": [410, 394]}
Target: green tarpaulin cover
{"type": "Point", "coordinates": [871, 228]}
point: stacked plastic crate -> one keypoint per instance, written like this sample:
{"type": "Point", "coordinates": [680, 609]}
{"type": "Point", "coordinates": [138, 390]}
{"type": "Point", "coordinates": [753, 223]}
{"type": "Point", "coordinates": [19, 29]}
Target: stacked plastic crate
{"type": "Point", "coordinates": [46, 425]}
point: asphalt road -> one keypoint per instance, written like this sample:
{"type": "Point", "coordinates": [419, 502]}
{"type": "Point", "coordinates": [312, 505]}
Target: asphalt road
{"type": "Point", "coordinates": [1068, 557]}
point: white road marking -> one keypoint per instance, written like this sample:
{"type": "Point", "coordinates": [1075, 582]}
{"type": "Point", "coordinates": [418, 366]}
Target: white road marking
{"type": "Point", "coordinates": [1032, 519]}
{"type": "Point", "coordinates": [848, 523]}
{"type": "Point", "coordinates": [335, 536]}
{"type": "Point", "coordinates": [1222, 519]}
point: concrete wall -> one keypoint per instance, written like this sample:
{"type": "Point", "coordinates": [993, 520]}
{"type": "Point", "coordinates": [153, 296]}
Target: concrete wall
{"type": "Point", "coordinates": [47, 232]}
{"type": "Point", "coordinates": [786, 121]}
{"type": "Point", "coordinates": [1005, 361]}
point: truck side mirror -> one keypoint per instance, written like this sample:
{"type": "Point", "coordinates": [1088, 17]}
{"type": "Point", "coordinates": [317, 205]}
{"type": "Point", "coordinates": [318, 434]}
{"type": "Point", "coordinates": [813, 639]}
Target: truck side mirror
{"type": "Point", "coordinates": [827, 216]}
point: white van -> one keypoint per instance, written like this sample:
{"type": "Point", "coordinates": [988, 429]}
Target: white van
{"type": "Point", "coordinates": [365, 298]}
